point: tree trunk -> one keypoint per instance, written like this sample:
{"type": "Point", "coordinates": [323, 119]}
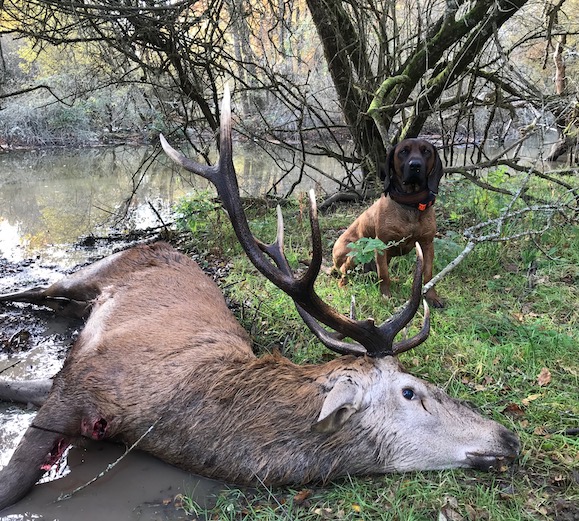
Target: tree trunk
{"type": "Point", "coordinates": [565, 119]}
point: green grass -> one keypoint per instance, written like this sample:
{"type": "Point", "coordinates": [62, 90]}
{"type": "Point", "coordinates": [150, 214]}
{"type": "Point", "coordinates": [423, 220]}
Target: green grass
{"type": "Point", "coordinates": [511, 312]}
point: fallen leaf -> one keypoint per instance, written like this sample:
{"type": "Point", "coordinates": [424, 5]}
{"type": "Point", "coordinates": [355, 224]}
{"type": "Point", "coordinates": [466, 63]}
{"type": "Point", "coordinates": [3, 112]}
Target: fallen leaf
{"type": "Point", "coordinates": [449, 510]}
{"type": "Point", "coordinates": [513, 409]}
{"type": "Point", "coordinates": [302, 495]}
{"type": "Point", "coordinates": [324, 512]}
{"type": "Point", "coordinates": [558, 479]}
{"type": "Point", "coordinates": [544, 377]}
{"type": "Point", "coordinates": [530, 398]}
{"type": "Point", "coordinates": [450, 501]}
{"type": "Point", "coordinates": [540, 431]}
{"type": "Point", "coordinates": [356, 508]}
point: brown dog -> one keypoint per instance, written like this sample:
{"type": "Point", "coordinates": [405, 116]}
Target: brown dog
{"type": "Point", "coordinates": [403, 214]}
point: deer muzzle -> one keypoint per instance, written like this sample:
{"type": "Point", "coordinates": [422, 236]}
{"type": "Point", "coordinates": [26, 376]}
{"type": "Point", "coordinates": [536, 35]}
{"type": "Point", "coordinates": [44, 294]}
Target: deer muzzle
{"type": "Point", "coordinates": [510, 447]}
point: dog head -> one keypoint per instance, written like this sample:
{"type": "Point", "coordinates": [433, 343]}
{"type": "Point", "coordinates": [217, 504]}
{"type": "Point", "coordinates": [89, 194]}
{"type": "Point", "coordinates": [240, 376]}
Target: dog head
{"type": "Point", "coordinates": [413, 165]}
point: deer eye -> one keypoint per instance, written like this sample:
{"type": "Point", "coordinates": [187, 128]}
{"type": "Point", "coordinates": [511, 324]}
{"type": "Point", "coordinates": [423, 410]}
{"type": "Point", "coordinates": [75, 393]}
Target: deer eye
{"type": "Point", "coordinates": [408, 393]}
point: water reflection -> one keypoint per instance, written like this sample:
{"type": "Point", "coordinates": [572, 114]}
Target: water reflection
{"type": "Point", "coordinates": [52, 197]}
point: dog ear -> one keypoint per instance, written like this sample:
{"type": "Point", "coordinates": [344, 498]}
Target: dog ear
{"type": "Point", "coordinates": [435, 174]}
{"type": "Point", "coordinates": [386, 169]}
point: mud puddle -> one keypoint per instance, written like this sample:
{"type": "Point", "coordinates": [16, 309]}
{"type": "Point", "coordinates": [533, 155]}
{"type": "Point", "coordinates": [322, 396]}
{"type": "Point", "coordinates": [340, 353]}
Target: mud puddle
{"type": "Point", "coordinates": [33, 344]}
{"type": "Point", "coordinates": [139, 487]}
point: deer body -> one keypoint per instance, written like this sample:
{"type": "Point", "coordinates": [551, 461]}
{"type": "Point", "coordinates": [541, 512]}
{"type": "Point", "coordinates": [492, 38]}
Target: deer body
{"type": "Point", "coordinates": [162, 361]}
{"type": "Point", "coordinates": [183, 365]}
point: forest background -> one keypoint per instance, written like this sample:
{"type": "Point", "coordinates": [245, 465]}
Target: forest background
{"type": "Point", "coordinates": [344, 79]}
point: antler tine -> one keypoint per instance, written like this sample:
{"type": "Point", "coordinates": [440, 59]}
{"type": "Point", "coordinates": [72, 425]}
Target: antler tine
{"type": "Point", "coordinates": [368, 339]}
{"type": "Point", "coordinates": [224, 179]}
{"type": "Point", "coordinates": [276, 252]}
{"type": "Point", "coordinates": [208, 172]}
{"type": "Point", "coordinates": [395, 324]}
{"type": "Point", "coordinates": [421, 336]}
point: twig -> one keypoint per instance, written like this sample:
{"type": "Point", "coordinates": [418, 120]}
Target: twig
{"type": "Point", "coordinates": [110, 466]}
{"type": "Point", "coordinates": [449, 267]}
{"type": "Point", "coordinates": [496, 235]}
{"type": "Point", "coordinates": [156, 212]}
{"type": "Point", "coordinates": [9, 367]}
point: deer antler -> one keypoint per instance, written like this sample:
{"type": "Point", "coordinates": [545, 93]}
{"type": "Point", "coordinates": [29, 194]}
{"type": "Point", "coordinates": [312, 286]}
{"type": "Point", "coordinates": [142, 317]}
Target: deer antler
{"type": "Point", "coordinates": [368, 338]}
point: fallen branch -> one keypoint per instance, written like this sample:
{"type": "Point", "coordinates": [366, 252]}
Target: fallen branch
{"type": "Point", "coordinates": [497, 235]}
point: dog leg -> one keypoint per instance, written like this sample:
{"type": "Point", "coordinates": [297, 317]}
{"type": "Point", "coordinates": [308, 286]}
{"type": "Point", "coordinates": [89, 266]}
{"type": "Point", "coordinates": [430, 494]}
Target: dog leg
{"type": "Point", "coordinates": [382, 260]}
{"type": "Point", "coordinates": [345, 266]}
{"type": "Point", "coordinates": [431, 296]}
{"type": "Point", "coordinates": [343, 280]}
{"type": "Point", "coordinates": [342, 262]}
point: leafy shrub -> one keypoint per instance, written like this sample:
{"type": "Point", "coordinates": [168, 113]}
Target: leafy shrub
{"type": "Point", "coordinates": [196, 211]}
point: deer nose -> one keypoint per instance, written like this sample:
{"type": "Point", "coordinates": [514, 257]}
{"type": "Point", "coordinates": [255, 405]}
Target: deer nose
{"type": "Point", "coordinates": [508, 451]}
{"type": "Point", "coordinates": [511, 441]}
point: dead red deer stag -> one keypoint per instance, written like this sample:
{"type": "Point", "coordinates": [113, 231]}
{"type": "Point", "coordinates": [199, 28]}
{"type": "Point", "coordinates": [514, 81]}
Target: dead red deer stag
{"type": "Point", "coordinates": [162, 354]}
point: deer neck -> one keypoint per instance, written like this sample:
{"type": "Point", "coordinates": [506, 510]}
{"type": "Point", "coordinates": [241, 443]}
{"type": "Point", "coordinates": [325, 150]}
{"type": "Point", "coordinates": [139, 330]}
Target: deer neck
{"type": "Point", "coordinates": [253, 423]}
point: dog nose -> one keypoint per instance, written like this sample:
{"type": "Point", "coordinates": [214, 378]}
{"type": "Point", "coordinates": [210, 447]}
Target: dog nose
{"type": "Point", "coordinates": [413, 172]}
{"type": "Point", "coordinates": [415, 164]}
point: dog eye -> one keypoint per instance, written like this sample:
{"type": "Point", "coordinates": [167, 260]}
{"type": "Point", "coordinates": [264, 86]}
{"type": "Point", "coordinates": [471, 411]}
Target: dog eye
{"type": "Point", "coordinates": [408, 393]}
{"type": "Point", "coordinates": [426, 152]}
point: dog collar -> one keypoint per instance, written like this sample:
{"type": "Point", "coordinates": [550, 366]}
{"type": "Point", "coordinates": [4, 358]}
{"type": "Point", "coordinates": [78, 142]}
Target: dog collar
{"type": "Point", "coordinates": [419, 200]}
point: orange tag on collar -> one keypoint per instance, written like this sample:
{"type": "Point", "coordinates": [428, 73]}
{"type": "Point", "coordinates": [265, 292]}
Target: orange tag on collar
{"type": "Point", "coordinates": [422, 207]}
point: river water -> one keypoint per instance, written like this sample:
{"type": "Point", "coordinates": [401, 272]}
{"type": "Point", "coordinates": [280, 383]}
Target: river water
{"type": "Point", "coordinates": [48, 200]}
{"type": "Point", "coordinates": [52, 197]}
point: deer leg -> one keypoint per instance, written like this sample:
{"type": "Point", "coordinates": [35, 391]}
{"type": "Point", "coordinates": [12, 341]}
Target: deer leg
{"type": "Point", "coordinates": [53, 297]}
{"type": "Point", "coordinates": [33, 392]}
{"type": "Point", "coordinates": [41, 447]}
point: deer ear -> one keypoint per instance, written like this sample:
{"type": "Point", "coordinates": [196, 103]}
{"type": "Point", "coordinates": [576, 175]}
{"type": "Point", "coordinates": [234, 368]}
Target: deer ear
{"type": "Point", "coordinates": [341, 402]}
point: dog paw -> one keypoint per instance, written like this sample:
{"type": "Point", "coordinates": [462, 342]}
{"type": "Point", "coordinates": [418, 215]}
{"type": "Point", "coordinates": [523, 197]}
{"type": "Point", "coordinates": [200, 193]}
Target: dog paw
{"type": "Point", "coordinates": [385, 294]}
{"type": "Point", "coordinates": [434, 301]}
